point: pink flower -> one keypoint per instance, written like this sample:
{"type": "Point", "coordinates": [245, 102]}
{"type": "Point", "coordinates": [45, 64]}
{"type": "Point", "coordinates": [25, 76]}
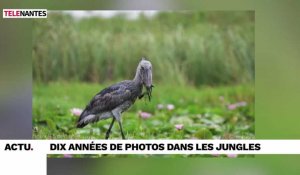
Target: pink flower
{"type": "Point", "coordinates": [160, 106]}
{"type": "Point", "coordinates": [179, 126]}
{"type": "Point", "coordinates": [68, 156]}
{"type": "Point", "coordinates": [144, 115]}
{"type": "Point", "coordinates": [236, 105]}
{"type": "Point", "coordinates": [232, 155]}
{"type": "Point", "coordinates": [242, 103]}
{"type": "Point", "coordinates": [231, 106]}
{"type": "Point", "coordinates": [170, 107]}
{"type": "Point", "coordinates": [76, 111]}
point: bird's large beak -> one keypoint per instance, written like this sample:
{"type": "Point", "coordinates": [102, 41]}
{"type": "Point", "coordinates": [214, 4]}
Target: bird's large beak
{"type": "Point", "coordinates": [148, 82]}
{"type": "Point", "coordinates": [148, 78]}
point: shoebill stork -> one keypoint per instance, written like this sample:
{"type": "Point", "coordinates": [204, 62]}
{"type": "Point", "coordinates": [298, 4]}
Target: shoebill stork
{"type": "Point", "coordinates": [111, 102]}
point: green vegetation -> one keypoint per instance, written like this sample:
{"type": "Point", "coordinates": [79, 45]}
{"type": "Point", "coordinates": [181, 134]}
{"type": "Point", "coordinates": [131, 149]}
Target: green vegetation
{"type": "Point", "coordinates": [205, 113]}
{"type": "Point", "coordinates": [203, 65]}
{"type": "Point", "coordinates": [205, 48]}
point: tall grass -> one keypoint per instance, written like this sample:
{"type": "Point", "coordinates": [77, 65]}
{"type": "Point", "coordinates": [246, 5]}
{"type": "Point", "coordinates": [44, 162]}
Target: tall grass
{"type": "Point", "coordinates": [205, 48]}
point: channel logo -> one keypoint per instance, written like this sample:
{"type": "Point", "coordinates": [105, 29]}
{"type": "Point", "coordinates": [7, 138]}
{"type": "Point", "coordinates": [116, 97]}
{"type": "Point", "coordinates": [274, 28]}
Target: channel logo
{"type": "Point", "coordinates": [24, 13]}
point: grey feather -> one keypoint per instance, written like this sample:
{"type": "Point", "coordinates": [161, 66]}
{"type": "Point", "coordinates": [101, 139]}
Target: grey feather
{"type": "Point", "coordinates": [110, 98]}
{"type": "Point", "coordinates": [112, 101]}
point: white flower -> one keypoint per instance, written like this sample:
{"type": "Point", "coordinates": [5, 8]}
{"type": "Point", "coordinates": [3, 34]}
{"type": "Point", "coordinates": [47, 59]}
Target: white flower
{"type": "Point", "coordinates": [144, 115]}
{"type": "Point", "coordinates": [170, 107]}
{"type": "Point", "coordinates": [76, 111]}
{"type": "Point", "coordinates": [232, 155]}
{"type": "Point", "coordinates": [179, 126]}
{"type": "Point", "coordinates": [160, 106]}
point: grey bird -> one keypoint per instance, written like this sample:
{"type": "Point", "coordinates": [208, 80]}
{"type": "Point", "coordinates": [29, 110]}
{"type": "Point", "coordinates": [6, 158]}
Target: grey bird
{"type": "Point", "coordinates": [111, 102]}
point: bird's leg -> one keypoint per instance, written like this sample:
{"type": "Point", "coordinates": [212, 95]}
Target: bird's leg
{"type": "Point", "coordinates": [109, 129]}
{"type": "Point", "coordinates": [117, 116]}
{"type": "Point", "coordinates": [121, 128]}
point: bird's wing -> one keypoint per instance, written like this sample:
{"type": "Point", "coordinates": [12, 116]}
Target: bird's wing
{"type": "Point", "coordinates": [108, 99]}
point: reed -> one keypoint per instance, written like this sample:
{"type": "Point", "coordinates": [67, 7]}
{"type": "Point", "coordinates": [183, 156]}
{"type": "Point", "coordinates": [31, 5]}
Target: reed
{"type": "Point", "coordinates": [195, 48]}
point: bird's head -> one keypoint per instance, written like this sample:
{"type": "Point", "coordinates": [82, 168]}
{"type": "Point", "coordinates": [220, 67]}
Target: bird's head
{"type": "Point", "coordinates": [145, 70]}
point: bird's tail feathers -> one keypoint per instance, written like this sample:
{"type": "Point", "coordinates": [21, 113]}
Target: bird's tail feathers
{"type": "Point", "coordinates": [82, 119]}
{"type": "Point", "coordinates": [81, 124]}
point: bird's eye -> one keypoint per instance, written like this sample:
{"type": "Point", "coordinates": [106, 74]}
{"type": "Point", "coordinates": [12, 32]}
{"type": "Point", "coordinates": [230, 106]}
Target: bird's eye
{"type": "Point", "coordinates": [142, 68]}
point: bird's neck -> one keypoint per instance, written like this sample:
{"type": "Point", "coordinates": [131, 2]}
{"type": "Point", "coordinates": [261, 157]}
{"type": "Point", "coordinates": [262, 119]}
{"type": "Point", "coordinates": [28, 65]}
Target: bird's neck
{"type": "Point", "coordinates": [138, 78]}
